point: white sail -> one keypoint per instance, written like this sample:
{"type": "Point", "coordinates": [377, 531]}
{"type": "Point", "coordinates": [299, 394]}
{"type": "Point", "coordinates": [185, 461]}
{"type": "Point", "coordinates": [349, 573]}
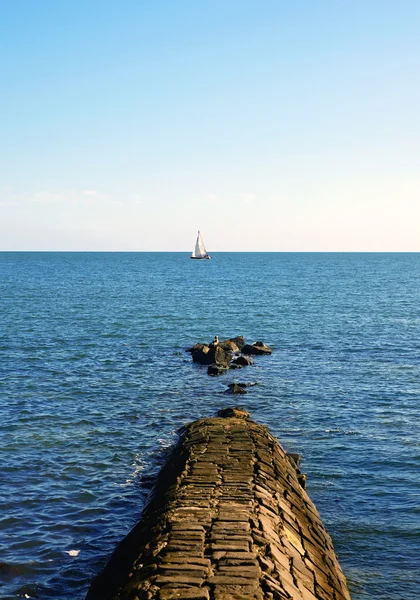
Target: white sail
{"type": "Point", "coordinates": [200, 249]}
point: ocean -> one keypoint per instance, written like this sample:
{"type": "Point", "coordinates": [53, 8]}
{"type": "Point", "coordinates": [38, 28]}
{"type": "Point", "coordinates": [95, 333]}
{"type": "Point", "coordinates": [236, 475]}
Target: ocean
{"type": "Point", "coordinates": [95, 384]}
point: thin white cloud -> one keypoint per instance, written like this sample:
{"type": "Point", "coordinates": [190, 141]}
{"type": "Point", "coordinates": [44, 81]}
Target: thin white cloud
{"type": "Point", "coordinates": [46, 197]}
{"type": "Point", "coordinates": [208, 199]}
{"type": "Point", "coordinates": [94, 193]}
{"type": "Point", "coordinates": [9, 203]}
{"type": "Point", "coordinates": [247, 198]}
{"type": "Point", "coordinates": [67, 197]}
{"type": "Point", "coordinates": [136, 198]}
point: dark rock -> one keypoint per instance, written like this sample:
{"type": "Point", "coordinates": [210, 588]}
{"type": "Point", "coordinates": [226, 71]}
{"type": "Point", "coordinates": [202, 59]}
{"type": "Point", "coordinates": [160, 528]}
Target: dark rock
{"type": "Point", "coordinates": [217, 369]}
{"type": "Point", "coordinates": [263, 347]}
{"type": "Point", "coordinates": [242, 361]}
{"type": "Point", "coordinates": [235, 388]}
{"type": "Point", "coordinates": [258, 348]}
{"type": "Point", "coordinates": [239, 341]}
{"type": "Point", "coordinates": [237, 411]}
{"type": "Point", "coordinates": [209, 355]}
{"type": "Point", "coordinates": [294, 458]}
{"type": "Point", "coordinates": [229, 345]}
{"type": "Point", "coordinates": [302, 480]}
{"type": "Point", "coordinates": [231, 353]}
{"type": "Point", "coordinates": [221, 356]}
{"type": "Point", "coordinates": [195, 348]}
{"type": "Point", "coordinates": [200, 354]}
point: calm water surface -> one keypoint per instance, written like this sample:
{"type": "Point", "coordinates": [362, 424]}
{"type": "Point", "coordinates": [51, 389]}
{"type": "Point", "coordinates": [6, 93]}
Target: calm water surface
{"type": "Point", "coordinates": [95, 383]}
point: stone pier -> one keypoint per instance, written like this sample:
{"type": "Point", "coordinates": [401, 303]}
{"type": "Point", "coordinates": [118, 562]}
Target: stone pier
{"type": "Point", "coordinates": [229, 518]}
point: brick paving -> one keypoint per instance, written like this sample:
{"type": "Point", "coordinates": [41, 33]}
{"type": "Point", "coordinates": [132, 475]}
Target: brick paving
{"type": "Point", "coordinates": [228, 519]}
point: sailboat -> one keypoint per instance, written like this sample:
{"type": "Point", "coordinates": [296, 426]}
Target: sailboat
{"type": "Point", "coordinates": [200, 251]}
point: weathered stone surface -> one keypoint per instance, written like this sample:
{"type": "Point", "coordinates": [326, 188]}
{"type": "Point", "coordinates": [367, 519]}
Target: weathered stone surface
{"type": "Point", "coordinates": [199, 354]}
{"type": "Point", "coordinates": [239, 341]}
{"type": "Point", "coordinates": [229, 345]}
{"type": "Point", "coordinates": [294, 458]}
{"type": "Point", "coordinates": [190, 593]}
{"type": "Point", "coordinates": [196, 348]}
{"type": "Point", "coordinates": [227, 520]}
{"type": "Point", "coordinates": [258, 348]}
{"type": "Point", "coordinates": [214, 369]}
{"type": "Point", "coordinates": [242, 361]}
{"type": "Point", "coordinates": [207, 355]}
{"type": "Point", "coordinates": [236, 388]}
{"type": "Point", "coordinates": [238, 413]}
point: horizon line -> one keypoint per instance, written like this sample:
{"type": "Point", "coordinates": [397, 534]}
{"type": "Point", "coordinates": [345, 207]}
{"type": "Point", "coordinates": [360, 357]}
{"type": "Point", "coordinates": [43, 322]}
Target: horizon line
{"type": "Point", "coordinates": [221, 251]}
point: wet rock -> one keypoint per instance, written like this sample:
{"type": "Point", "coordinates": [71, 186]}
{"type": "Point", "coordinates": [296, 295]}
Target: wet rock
{"type": "Point", "coordinates": [239, 341]}
{"type": "Point", "coordinates": [240, 384]}
{"type": "Point", "coordinates": [199, 353]}
{"type": "Point", "coordinates": [217, 369]}
{"type": "Point", "coordinates": [229, 354]}
{"type": "Point", "coordinates": [242, 361]}
{"type": "Point", "coordinates": [302, 479]}
{"type": "Point", "coordinates": [238, 412]}
{"type": "Point", "coordinates": [294, 458]}
{"type": "Point", "coordinates": [209, 355]}
{"type": "Point", "coordinates": [195, 348]}
{"type": "Point", "coordinates": [221, 356]}
{"type": "Point", "coordinates": [235, 388]}
{"type": "Point", "coordinates": [229, 345]}
{"type": "Point", "coordinates": [259, 348]}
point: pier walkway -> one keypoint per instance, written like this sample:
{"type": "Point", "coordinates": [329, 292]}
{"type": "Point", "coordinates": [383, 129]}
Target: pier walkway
{"type": "Point", "coordinates": [229, 518]}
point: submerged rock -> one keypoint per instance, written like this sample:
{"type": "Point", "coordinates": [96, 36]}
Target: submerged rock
{"type": "Point", "coordinates": [236, 388]}
{"type": "Point", "coordinates": [217, 369]}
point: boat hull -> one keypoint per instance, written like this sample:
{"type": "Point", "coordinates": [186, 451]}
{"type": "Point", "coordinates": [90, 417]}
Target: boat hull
{"type": "Point", "coordinates": [200, 257]}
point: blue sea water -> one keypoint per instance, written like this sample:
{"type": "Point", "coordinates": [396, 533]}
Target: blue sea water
{"type": "Point", "coordinates": [95, 383]}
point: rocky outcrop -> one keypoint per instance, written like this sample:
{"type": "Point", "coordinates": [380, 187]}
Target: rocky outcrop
{"type": "Point", "coordinates": [228, 354]}
{"type": "Point", "coordinates": [228, 520]}
{"type": "Point", "coordinates": [211, 355]}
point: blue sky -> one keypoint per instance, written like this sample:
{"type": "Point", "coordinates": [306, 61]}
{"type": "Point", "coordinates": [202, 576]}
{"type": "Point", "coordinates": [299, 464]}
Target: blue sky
{"type": "Point", "coordinates": [269, 125]}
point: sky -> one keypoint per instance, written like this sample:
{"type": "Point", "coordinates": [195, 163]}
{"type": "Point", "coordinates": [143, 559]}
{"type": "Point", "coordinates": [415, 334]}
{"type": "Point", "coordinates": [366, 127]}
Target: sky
{"type": "Point", "coordinates": [270, 125]}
